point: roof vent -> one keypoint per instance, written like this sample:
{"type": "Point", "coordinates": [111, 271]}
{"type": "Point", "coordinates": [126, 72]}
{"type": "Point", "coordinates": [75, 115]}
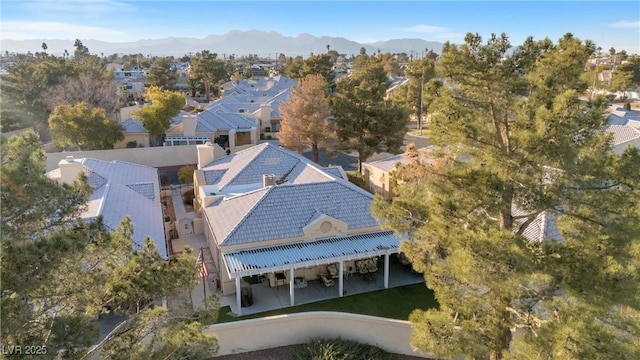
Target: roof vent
{"type": "Point", "coordinates": [268, 180]}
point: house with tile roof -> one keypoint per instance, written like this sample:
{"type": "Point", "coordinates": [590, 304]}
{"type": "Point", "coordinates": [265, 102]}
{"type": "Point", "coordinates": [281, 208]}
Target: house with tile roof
{"type": "Point", "coordinates": [232, 129]}
{"type": "Point", "coordinates": [378, 174]}
{"type": "Point", "coordinates": [625, 129]}
{"type": "Point", "coordinates": [270, 212]}
{"type": "Point", "coordinates": [120, 189]}
{"type": "Point", "coordinates": [258, 97]}
{"type": "Point", "coordinates": [134, 134]}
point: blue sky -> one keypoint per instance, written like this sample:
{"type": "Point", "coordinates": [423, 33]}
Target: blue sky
{"type": "Point", "coordinates": [607, 23]}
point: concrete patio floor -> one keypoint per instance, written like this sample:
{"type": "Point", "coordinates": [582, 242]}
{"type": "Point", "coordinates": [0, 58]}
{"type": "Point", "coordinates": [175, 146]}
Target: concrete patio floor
{"type": "Point", "coordinates": [267, 298]}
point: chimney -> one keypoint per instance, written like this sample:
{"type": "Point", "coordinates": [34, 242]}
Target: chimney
{"type": "Point", "coordinates": [189, 123]}
{"type": "Point", "coordinates": [206, 154]}
{"type": "Point", "coordinates": [265, 115]}
{"type": "Point", "coordinates": [69, 169]}
{"type": "Point", "coordinates": [268, 180]}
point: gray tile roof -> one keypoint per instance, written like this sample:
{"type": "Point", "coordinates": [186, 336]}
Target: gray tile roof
{"type": "Point", "coordinates": [212, 121]}
{"type": "Point", "coordinates": [622, 134]}
{"type": "Point", "coordinates": [125, 189]}
{"type": "Point", "coordinates": [543, 228]}
{"type": "Point", "coordinates": [336, 171]}
{"type": "Point", "coordinates": [132, 125]}
{"type": "Point", "coordinates": [213, 176]}
{"type": "Point", "coordinates": [282, 211]}
{"type": "Point", "coordinates": [248, 166]}
{"type": "Point", "coordinates": [321, 251]}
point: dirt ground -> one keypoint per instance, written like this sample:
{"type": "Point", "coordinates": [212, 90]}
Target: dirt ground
{"type": "Point", "coordinates": [285, 353]}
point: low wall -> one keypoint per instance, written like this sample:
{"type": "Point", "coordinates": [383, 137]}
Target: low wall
{"type": "Point", "coordinates": [159, 156]}
{"type": "Point", "coordinates": [265, 333]}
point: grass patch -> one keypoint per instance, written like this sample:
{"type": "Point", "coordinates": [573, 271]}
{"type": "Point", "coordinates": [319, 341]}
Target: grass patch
{"type": "Point", "coordinates": [394, 303]}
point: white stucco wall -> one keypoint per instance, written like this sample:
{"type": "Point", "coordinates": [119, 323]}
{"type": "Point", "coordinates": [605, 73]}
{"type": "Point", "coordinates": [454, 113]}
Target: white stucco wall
{"type": "Point", "coordinates": [256, 334]}
{"type": "Point", "coordinates": [149, 156]}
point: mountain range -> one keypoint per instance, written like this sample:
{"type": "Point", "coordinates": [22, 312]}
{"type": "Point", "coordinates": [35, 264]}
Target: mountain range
{"type": "Point", "coordinates": [266, 44]}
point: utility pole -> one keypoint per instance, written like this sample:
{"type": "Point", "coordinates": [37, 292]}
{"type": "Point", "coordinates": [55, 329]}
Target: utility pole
{"type": "Point", "coordinates": [421, 106]}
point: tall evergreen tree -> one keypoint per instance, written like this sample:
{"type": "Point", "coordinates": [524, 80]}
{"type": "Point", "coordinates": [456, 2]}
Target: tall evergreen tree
{"type": "Point", "coordinates": [519, 156]}
{"type": "Point", "coordinates": [206, 67]}
{"type": "Point", "coordinates": [419, 92]}
{"type": "Point", "coordinates": [162, 75]}
{"type": "Point", "coordinates": [365, 121]}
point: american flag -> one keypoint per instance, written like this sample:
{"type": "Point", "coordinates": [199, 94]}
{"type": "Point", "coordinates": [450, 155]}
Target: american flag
{"type": "Point", "coordinates": [202, 265]}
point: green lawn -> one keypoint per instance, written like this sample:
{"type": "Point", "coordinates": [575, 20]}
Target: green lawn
{"type": "Point", "coordinates": [394, 303]}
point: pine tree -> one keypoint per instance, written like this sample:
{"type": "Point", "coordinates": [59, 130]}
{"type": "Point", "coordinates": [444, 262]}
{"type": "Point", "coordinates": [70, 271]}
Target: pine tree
{"type": "Point", "coordinates": [365, 121]}
{"type": "Point", "coordinates": [518, 150]}
{"type": "Point", "coordinates": [59, 272]}
{"type": "Point", "coordinates": [162, 75]}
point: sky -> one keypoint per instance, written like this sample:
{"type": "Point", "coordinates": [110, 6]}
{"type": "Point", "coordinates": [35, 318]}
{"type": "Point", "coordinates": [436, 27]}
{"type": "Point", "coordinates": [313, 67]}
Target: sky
{"type": "Point", "coordinates": [607, 23]}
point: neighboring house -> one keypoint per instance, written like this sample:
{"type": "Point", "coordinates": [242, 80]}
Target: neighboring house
{"type": "Point", "coordinates": [260, 98]}
{"type": "Point", "coordinates": [120, 189]}
{"type": "Point", "coordinates": [131, 90]}
{"type": "Point", "coordinates": [625, 127]}
{"type": "Point", "coordinates": [394, 83]}
{"type": "Point", "coordinates": [605, 77]}
{"type": "Point", "coordinates": [231, 129]}
{"type": "Point", "coordinates": [624, 136]}
{"type": "Point", "coordinates": [129, 74]}
{"type": "Point", "coordinates": [378, 175]}
{"type": "Point", "coordinates": [134, 134]}
{"type": "Point", "coordinates": [114, 66]}
{"type": "Point", "coordinates": [270, 212]}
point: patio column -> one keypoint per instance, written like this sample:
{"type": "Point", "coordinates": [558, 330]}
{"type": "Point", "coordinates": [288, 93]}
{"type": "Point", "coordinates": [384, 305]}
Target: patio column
{"type": "Point", "coordinates": [341, 278]}
{"type": "Point", "coordinates": [238, 296]}
{"type": "Point", "coordinates": [386, 270]}
{"type": "Point", "coordinates": [291, 287]}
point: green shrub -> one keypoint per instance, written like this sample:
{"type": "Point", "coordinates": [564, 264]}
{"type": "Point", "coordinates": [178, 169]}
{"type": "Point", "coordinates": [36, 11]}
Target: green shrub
{"type": "Point", "coordinates": [340, 349]}
{"type": "Point", "coordinates": [358, 179]}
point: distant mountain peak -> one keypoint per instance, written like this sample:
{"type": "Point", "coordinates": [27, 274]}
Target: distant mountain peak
{"type": "Point", "coordinates": [239, 42]}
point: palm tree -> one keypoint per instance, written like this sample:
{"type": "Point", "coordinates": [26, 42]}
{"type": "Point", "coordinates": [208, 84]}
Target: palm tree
{"type": "Point", "coordinates": [44, 46]}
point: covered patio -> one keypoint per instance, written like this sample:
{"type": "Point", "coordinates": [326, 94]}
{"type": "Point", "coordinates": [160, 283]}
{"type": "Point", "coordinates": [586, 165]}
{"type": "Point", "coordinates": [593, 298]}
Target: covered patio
{"type": "Point", "coordinates": [266, 298]}
{"type": "Point", "coordinates": [315, 270]}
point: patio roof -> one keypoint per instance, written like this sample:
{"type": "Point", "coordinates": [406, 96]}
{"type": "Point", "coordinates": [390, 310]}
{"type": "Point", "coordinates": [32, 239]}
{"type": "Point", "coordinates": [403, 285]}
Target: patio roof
{"type": "Point", "coordinates": [313, 253]}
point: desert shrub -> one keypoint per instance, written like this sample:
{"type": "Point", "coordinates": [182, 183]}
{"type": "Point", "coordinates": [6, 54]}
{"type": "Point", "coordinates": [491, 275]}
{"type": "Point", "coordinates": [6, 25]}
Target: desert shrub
{"type": "Point", "coordinates": [340, 349]}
